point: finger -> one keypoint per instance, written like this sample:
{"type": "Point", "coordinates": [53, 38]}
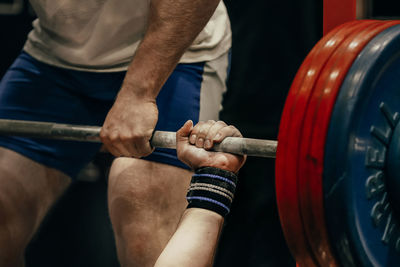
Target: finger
{"type": "Point", "coordinates": [194, 133]}
{"type": "Point", "coordinates": [117, 143]}
{"type": "Point", "coordinates": [139, 143]}
{"type": "Point", "coordinates": [228, 131]}
{"type": "Point", "coordinates": [106, 141]}
{"type": "Point", "coordinates": [202, 132]}
{"type": "Point", "coordinates": [183, 133]}
{"type": "Point", "coordinates": [110, 141]}
{"type": "Point", "coordinates": [182, 140]}
{"type": "Point", "coordinates": [212, 132]}
{"type": "Point", "coordinates": [142, 147]}
{"type": "Point", "coordinates": [128, 143]}
{"type": "Point", "coordinates": [110, 148]}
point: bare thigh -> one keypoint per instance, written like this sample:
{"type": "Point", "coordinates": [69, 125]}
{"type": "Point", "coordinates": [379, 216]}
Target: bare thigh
{"type": "Point", "coordinates": [146, 202]}
{"type": "Point", "coordinates": [27, 191]}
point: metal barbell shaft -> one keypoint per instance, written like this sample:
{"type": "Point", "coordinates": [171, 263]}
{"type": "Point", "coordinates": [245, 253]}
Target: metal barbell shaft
{"type": "Point", "coordinates": [161, 139]}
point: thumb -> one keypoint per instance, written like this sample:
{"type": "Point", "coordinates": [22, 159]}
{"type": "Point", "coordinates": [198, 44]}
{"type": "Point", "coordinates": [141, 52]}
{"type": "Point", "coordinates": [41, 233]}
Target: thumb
{"type": "Point", "coordinates": [184, 132]}
{"type": "Point", "coordinates": [182, 139]}
{"type": "Point", "coordinates": [182, 135]}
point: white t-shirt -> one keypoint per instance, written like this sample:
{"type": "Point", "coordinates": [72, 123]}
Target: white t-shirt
{"type": "Point", "coordinates": [102, 35]}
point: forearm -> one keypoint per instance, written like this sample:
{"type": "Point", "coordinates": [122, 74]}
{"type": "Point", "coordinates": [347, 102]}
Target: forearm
{"type": "Point", "coordinates": [209, 196]}
{"type": "Point", "coordinates": [194, 242]}
{"type": "Point", "coordinates": [172, 27]}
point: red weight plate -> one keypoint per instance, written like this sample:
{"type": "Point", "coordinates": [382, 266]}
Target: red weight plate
{"type": "Point", "coordinates": [321, 249]}
{"type": "Point", "coordinates": [287, 195]}
{"type": "Point", "coordinates": [290, 126]}
{"type": "Point", "coordinates": [298, 110]}
{"type": "Point", "coordinates": [313, 138]}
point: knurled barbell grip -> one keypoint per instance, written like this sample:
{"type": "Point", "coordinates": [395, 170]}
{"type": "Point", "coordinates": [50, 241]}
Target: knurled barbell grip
{"type": "Point", "coordinates": [49, 130]}
{"type": "Point", "coordinates": [236, 145]}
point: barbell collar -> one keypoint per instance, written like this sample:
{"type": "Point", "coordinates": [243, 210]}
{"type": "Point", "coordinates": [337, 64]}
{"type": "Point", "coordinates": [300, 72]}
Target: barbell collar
{"type": "Point", "coordinates": [161, 139]}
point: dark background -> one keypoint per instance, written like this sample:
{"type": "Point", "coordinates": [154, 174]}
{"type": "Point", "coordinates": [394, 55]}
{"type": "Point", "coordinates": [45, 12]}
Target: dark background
{"type": "Point", "coordinates": [270, 40]}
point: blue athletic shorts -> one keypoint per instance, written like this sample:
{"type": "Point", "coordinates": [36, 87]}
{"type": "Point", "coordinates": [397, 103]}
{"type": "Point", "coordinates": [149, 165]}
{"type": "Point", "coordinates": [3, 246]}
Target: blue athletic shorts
{"type": "Point", "coordinates": [31, 90]}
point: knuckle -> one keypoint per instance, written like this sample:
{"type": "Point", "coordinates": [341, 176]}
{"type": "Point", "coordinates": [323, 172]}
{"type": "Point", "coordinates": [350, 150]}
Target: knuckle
{"type": "Point", "coordinates": [114, 137]}
{"type": "Point", "coordinates": [202, 132]}
{"type": "Point", "coordinates": [200, 123]}
{"type": "Point", "coordinates": [210, 134]}
{"type": "Point", "coordinates": [125, 137]}
{"type": "Point", "coordinates": [104, 138]}
{"type": "Point", "coordinates": [103, 133]}
{"type": "Point", "coordinates": [221, 123]}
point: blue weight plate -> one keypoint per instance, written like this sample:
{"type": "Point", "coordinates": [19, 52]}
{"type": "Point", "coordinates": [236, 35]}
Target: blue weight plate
{"type": "Point", "coordinates": [361, 174]}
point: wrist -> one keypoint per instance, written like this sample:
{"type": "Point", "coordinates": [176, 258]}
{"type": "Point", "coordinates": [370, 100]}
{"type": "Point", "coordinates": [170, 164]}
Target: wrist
{"type": "Point", "coordinates": [222, 164]}
{"type": "Point", "coordinates": [212, 189]}
{"type": "Point", "coordinates": [138, 90]}
{"type": "Point", "coordinates": [147, 72]}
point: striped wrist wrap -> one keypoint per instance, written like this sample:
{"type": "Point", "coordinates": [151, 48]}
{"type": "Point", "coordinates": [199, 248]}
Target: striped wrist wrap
{"type": "Point", "coordinates": [212, 189]}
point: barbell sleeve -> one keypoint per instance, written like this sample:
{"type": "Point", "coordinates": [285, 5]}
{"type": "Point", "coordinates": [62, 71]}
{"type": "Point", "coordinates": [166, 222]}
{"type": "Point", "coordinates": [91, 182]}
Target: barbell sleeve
{"type": "Point", "coordinates": [161, 139]}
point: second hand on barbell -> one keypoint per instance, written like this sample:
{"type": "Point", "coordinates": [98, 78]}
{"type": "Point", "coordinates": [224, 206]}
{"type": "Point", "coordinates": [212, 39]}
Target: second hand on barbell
{"type": "Point", "coordinates": [161, 139]}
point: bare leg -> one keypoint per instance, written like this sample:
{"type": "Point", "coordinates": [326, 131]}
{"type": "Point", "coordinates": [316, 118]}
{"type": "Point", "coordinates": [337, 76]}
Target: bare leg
{"type": "Point", "coordinates": [146, 201]}
{"type": "Point", "coordinates": [27, 191]}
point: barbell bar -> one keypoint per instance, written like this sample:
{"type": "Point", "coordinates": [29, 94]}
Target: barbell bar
{"type": "Point", "coordinates": [160, 139]}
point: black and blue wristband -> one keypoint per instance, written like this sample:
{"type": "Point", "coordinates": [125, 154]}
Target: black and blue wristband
{"type": "Point", "coordinates": [212, 189]}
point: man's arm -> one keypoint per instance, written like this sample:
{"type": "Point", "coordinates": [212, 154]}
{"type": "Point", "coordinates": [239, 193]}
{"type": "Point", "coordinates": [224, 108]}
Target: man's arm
{"type": "Point", "coordinates": [172, 27]}
{"type": "Point", "coordinates": [195, 241]}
